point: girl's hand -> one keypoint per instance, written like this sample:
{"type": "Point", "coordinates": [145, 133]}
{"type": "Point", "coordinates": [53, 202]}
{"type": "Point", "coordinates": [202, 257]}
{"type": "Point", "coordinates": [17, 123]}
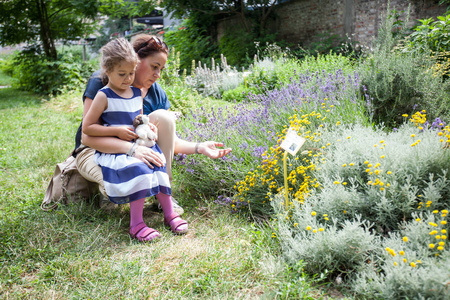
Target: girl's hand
{"type": "Point", "coordinates": [149, 156]}
{"type": "Point", "coordinates": [126, 133]}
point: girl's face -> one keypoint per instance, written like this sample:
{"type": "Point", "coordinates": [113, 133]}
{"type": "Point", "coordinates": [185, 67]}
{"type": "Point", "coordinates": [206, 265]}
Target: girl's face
{"type": "Point", "coordinates": [122, 76]}
{"type": "Point", "coordinates": [149, 70]}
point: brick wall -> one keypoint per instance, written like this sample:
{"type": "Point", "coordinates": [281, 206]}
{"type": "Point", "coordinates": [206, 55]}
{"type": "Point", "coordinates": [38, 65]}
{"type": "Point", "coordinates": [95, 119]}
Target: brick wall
{"type": "Point", "coordinates": [300, 21]}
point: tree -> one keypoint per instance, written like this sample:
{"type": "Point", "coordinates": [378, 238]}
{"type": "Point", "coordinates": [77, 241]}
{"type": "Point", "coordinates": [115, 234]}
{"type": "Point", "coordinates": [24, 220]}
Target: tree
{"type": "Point", "coordinates": [45, 21]}
{"type": "Point", "coordinates": [252, 11]}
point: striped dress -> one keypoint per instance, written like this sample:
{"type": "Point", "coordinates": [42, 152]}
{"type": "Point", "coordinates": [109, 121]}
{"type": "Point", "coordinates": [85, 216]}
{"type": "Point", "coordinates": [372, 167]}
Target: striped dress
{"type": "Point", "coordinates": [126, 178]}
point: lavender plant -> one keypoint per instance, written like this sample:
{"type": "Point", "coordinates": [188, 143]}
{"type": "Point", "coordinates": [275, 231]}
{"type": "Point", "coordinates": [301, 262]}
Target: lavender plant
{"type": "Point", "coordinates": [251, 127]}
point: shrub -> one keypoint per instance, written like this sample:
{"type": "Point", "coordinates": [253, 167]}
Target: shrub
{"type": "Point", "coordinates": [182, 99]}
{"type": "Point", "coordinates": [192, 41]}
{"type": "Point", "coordinates": [251, 129]}
{"type": "Point", "coordinates": [238, 94]}
{"type": "Point", "coordinates": [380, 200]}
{"type": "Point", "coordinates": [215, 81]}
{"type": "Point", "coordinates": [34, 72]}
{"type": "Point", "coordinates": [401, 83]}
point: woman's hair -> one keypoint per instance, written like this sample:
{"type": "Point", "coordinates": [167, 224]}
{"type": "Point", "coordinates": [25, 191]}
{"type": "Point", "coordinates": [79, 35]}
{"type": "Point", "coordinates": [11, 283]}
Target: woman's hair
{"type": "Point", "coordinates": [115, 52]}
{"type": "Point", "coordinates": [146, 45]}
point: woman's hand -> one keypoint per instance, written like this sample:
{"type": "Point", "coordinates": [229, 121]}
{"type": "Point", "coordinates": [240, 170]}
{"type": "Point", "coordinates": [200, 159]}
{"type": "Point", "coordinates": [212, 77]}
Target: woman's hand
{"type": "Point", "coordinates": [149, 156]}
{"type": "Point", "coordinates": [126, 133]}
{"type": "Point", "coordinates": [209, 149]}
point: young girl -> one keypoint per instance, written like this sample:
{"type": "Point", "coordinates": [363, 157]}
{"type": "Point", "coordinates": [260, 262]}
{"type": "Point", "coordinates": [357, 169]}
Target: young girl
{"type": "Point", "coordinates": [128, 179]}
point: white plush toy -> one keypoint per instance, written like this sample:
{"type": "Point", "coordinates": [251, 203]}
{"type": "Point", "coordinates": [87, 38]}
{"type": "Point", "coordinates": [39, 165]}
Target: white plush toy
{"type": "Point", "coordinates": [147, 137]}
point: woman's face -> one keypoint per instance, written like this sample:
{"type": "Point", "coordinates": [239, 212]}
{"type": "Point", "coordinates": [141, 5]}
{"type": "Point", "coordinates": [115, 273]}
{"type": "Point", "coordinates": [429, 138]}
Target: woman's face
{"type": "Point", "coordinates": [149, 70]}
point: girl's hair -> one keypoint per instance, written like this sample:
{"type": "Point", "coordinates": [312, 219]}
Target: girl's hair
{"type": "Point", "coordinates": [115, 52]}
{"type": "Point", "coordinates": [146, 45]}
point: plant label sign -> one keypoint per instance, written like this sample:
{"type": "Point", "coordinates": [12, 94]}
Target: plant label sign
{"type": "Point", "coordinates": [293, 142]}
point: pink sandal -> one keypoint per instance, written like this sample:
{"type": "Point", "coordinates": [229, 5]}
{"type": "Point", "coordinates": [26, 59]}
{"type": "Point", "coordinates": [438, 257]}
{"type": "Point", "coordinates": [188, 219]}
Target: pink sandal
{"type": "Point", "coordinates": [174, 225]}
{"type": "Point", "coordinates": [142, 233]}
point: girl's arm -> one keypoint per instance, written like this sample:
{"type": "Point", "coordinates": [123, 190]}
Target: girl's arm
{"type": "Point", "coordinates": [110, 144]}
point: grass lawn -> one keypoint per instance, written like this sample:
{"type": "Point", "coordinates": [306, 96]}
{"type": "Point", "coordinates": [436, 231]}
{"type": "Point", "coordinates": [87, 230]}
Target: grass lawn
{"type": "Point", "coordinates": [82, 252]}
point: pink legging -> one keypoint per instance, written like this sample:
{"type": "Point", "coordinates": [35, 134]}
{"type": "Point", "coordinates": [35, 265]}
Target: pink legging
{"type": "Point", "coordinates": [137, 209]}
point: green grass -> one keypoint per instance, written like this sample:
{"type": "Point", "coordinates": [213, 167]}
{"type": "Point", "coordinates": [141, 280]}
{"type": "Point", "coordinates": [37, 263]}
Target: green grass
{"type": "Point", "coordinates": [82, 252]}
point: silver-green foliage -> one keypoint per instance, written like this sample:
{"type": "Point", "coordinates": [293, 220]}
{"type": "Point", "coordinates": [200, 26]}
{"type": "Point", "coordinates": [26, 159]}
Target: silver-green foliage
{"type": "Point", "coordinates": [215, 80]}
{"type": "Point", "coordinates": [376, 188]}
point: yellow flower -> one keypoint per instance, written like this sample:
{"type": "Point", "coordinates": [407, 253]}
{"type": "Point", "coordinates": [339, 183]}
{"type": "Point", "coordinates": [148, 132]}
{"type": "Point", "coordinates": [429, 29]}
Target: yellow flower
{"type": "Point", "coordinates": [314, 230]}
{"type": "Point", "coordinates": [413, 135]}
{"type": "Point", "coordinates": [336, 182]}
{"type": "Point", "coordinates": [405, 260]}
{"type": "Point", "coordinates": [382, 156]}
{"type": "Point", "coordinates": [395, 263]}
{"type": "Point", "coordinates": [295, 224]}
{"type": "Point", "coordinates": [431, 246]}
{"type": "Point", "coordinates": [344, 165]}
{"type": "Point", "coordinates": [366, 162]}
{"type": "Point", "coordinates": [320, 229]}
{"type": "Point", "coordinates": [418, 219]}
{"type": "Point", "coordinates": [435, 211]}
{"type": "Point", "coordinates": [441, 243]}
{"type": "Point", "coordinates": [402, 252]}
{"type": "Point", "coordinates": [443, 222]}
{"type": "Point", "coordinates": [313, 213]}
{"type": "Point", "coordinates": [389, 172]}
{"type": "Point", "coordinates": [351, 164]}
{"type": "Point", "coordinates": [440, 248]}
{"type": "Point", "coordinates": [443, 231]}
{"type": "Point", "coordinates": [308, 227]}
{"type": "Point", "coordinates": [413, 264]}
{"type": "Point", "coordinates": [405, 239]}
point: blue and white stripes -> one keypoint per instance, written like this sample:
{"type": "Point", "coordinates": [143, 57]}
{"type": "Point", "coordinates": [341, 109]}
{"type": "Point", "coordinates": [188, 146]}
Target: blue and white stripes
{"type": "Point", "coordinates": [126, 178]}
{"type": "Point", "coordinates": [121, 111]}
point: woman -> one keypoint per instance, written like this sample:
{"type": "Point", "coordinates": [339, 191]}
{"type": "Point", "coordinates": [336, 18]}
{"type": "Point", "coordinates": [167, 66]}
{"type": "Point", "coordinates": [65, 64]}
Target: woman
{"type": "Point", "coordinates": [153, 54]}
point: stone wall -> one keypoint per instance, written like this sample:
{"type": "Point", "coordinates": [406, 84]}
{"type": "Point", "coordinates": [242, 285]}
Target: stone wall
{"type": "Point", "coordinates": [301, 21]}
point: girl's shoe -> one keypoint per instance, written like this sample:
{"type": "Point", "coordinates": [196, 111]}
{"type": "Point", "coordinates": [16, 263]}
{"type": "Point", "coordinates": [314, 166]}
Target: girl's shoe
{"type": "Point", "coordinates": [175, 222]}
{"type": "Point", "coordinates": [143, 233]}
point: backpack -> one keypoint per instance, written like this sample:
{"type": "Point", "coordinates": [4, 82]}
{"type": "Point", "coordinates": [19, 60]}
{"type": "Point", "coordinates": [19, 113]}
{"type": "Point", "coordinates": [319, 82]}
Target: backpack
{"type": "Point", "coordinates": [67, 186]}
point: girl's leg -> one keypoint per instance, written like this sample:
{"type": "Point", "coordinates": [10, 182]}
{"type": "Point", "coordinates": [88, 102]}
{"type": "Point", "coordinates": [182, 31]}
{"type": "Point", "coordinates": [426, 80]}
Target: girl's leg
{"type": "Point", "coordinates": [171, 218]}
{"type": "Point", "coordinates": [138, 229]}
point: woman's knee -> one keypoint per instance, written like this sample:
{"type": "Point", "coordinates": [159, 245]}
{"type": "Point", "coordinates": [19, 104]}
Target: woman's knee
{"type": "Point", "coordinates": [163, 119]}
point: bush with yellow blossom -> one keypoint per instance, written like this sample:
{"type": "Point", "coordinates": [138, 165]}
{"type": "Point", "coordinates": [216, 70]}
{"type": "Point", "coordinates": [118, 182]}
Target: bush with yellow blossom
{"type": "Point", "coordinates": [378, 218]}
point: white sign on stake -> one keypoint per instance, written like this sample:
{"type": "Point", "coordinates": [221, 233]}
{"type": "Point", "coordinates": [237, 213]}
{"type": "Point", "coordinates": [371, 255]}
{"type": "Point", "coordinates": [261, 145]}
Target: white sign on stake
{"type": "Point", "coordinates": [292, 142]}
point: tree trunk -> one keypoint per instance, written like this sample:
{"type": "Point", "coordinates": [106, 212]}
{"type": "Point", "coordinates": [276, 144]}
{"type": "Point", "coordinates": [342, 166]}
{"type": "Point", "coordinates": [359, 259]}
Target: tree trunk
{"type": "Point", "coordinates": [46, 36]}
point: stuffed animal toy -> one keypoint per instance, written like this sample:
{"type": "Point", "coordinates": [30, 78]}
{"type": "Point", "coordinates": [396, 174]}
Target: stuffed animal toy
{"type": "Point", "coordinates": [147, 137]}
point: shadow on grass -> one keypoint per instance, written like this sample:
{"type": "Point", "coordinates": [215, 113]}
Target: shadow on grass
{"type": "Point", "coordinates": [13, 97]}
